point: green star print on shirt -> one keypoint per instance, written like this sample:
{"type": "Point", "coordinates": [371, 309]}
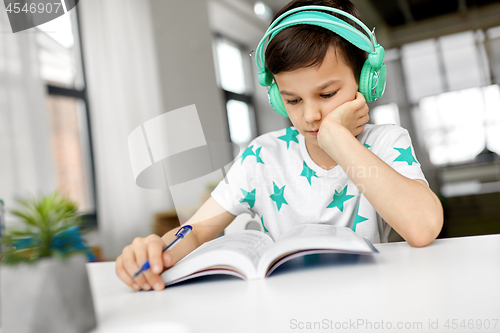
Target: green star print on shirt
{"type": "Point", "coordinates": [257, 154]}
{"type": "Point", "coordinates": [405, 155]}
{"type": "Point", "coordinates": [308, 172]}
{"type": "Point", "coordinates": [249, 197]}
{"type": "Point", "coordinates": [246, 153]}
{"type": "Point", "coordinates": [357, 219]}
{"type": "Point", "coordinates": [279, 196]}
{"type": "Point", "coordinates": [262, 220]}
{"type": "Point", "coordinates": [249, 152]}
{"type": "Point", "coordinates": [339, 199]}
{"type": "Point", "coordinates": [291, 135]}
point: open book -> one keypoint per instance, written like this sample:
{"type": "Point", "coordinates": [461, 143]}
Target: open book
{"type": "Point", "coordinates": [253, 254]}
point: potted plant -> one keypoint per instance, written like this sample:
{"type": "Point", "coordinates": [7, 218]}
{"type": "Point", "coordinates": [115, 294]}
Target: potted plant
{"type": "Point", "coordinates": [45, 287]}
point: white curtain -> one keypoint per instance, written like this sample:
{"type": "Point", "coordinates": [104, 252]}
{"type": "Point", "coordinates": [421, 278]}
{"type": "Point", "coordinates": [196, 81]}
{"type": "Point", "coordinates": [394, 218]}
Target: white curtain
{"type": "Point", "coordinates": [124, 92]}
{"type": "Point", "coordinates": [26, 160]}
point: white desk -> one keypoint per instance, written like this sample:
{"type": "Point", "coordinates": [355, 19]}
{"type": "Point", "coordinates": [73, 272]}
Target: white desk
{"type": "Point", "coordinates": [456, 278]}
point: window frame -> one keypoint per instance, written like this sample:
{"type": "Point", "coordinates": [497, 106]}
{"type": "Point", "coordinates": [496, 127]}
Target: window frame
{"type": "Point", "coordinates": [248, 96]}
{"type": "Point", "coordinates": [89, 220]}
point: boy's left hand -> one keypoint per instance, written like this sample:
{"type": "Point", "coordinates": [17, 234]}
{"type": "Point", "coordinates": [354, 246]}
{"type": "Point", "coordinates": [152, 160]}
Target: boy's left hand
{"type": "Point", "coordinates": [351, 115]}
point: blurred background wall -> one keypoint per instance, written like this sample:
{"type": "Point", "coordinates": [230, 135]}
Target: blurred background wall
{"type": "Point", "coordinates": [73, 89]}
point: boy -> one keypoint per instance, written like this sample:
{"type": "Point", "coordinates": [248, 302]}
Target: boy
{"type": "Point", "coordinates": [327, 168]}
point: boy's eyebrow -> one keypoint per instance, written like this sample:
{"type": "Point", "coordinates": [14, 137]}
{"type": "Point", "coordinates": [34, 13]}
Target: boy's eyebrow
{"type": "Point", "coordinates": [321, 87]}
{"type": "Point", "coordinates": [327, 84]}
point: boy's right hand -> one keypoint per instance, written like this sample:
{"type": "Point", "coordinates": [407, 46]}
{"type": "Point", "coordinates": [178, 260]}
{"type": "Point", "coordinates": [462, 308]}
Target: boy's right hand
{"type": "Point", "coordinates": [210, 221]}
{"type": "Point", "coordinates": [135, 255]}
{"type": "Point", "coordinates": [352, 114]}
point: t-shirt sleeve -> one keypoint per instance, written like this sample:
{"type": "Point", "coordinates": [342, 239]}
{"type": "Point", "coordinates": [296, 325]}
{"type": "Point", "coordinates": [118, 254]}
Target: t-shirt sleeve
{"type": "Point", "coordinates": [236, 192]}
{"type": "Point", "coordinates": [397, 152]}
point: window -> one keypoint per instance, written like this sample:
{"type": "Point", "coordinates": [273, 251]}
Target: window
{"type": "Point", "coordinates": [456, 126]}
{"type": "Point", "coordinates": [451, 62]}
{"type": "Point", "coordinates": [493, 42]}
{"type": "Point", "coordinates": [239, 121]}
{"type": "Point", "coordinates": [386, 114]}
{"type": "Point", "coordinates": [456, 108]}
{"type": "Point", "coordinates": [61, 67]}
{"type": "Point", "coordinates": [421, 83]}
{"type": "Point", "coordinates": [462, 60]}
{"type": "Point", "coordinates": [233, 77]}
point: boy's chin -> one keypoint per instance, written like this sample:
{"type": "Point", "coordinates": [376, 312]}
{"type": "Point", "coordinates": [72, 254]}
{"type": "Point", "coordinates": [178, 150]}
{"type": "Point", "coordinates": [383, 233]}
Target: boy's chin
{"type": "Point", "coordinates": [311, 141]}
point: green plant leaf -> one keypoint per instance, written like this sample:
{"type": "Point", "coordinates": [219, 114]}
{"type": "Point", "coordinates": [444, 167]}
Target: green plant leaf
{"type": "Point", "coordinates": [21, 233]}
{"type": "Point", "coordinates": [27, 217]}
{"type": "Point", "coordinates": [66, 227]}
{"type": "Point", "coordinates": [44, 217]}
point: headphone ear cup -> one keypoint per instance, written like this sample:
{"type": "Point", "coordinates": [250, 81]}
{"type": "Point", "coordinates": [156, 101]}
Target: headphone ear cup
{"type": "Point", "coordinates": [364, 81]}
{"type": "Point", "coordinates": [382, 79]}
{"type": "Point", "coordinates": [372, 81]}
{"type": "Point", "coordinates": [276, 101]}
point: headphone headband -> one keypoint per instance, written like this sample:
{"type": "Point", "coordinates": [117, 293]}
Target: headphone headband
{"type": "Point", "coordinates": [331, 9]}
{"type": "Point", "coordinates": [310, 15]}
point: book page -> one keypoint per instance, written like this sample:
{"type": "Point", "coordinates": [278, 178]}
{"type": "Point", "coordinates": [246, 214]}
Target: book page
{"type": "Point", "coordinates": [313, 237]}
{"type": "Point", "coordinates": [249, 243]}
{"type": "Point", "coordinates": [239, 252]}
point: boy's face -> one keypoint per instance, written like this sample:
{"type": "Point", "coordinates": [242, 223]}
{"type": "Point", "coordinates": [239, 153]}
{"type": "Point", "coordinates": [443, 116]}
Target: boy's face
{"type": "Point", "coordinates": [311, 93]}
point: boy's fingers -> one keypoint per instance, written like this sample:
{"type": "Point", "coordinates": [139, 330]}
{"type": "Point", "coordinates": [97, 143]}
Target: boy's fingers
{"type": "Point", "coordinates": [154, 250]}
{"type": "Point", "coordinates": [154, 247]}
{"type": "Point", "coordinates": [360, 130]}
{"type": "Point", "coordinates": [364, 107]}
{"type": "Point", "coordinates": [170, 258]}
{"type": "Point", "coordinates": [167, 259]}
{"type": "Point", "coordinates": [356, 104]}
{"type": "Point", "coordinates": [123, 275]}
{"type": "Point", "coordinates": [362, 112]}
{"type": "Point", "coordinates": [141, 254]}
{"type": "Point", "coordinates": [363, 119]}
{"type": "Point", "coordinates": [131, 264]}
{"type": "Point", "coordinates": [359, 102]}
{"type": "Point", "coordinates": [360, 97]}
{"type": "Point", "coordinates": [153, 280]}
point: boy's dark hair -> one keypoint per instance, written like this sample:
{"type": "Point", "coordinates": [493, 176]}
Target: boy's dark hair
{"type": "Point", "coordinates": [306, 45]}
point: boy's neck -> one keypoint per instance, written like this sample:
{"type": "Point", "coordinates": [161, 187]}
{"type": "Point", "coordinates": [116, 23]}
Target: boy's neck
{"type": "Point", "coordinates": [320, 157]}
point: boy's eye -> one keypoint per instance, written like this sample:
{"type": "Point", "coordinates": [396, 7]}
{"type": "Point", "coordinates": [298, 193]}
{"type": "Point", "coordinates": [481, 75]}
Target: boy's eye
{"type": "Point", "coordinates": [293, 101]}
{"type": "Point", "coordinates": [328, 95]}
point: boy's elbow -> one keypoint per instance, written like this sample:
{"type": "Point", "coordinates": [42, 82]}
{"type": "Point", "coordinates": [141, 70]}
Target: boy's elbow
{"type": "Point", "coordinates": [425, 236]}
{"type": "Point", "coordinates": [420, 241]}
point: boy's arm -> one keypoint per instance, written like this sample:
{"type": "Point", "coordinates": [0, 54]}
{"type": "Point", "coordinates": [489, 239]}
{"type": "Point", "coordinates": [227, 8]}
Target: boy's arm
{"type": "Point", "coordinates": [408, 205]}
{"type": "Point", "coordinates": [208, 222]}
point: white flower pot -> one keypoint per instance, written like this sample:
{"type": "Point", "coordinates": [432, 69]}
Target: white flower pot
{"type": "Point", "coordinates": [50, 296]}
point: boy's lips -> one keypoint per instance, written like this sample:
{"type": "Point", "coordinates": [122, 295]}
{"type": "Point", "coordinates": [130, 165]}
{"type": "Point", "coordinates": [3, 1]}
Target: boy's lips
{"type": "Point", "coordinates": [313, 133]}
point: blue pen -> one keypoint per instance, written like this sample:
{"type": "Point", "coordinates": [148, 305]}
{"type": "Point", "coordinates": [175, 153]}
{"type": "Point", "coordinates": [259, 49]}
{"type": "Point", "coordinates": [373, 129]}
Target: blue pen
{"type": "Point", "coordinates": [180, 234]}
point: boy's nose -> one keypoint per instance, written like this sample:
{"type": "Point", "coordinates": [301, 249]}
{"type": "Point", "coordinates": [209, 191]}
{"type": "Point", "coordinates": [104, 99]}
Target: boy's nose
{"type": "Point", "coordinates": [312, 113]}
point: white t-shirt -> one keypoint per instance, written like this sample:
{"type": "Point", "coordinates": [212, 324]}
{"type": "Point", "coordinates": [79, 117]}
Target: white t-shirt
{"type": "Point", "coordinates": [276, 178]}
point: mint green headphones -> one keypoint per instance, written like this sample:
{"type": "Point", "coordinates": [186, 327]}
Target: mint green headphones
{"type": "Point", "coordinates": [373, 74]}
